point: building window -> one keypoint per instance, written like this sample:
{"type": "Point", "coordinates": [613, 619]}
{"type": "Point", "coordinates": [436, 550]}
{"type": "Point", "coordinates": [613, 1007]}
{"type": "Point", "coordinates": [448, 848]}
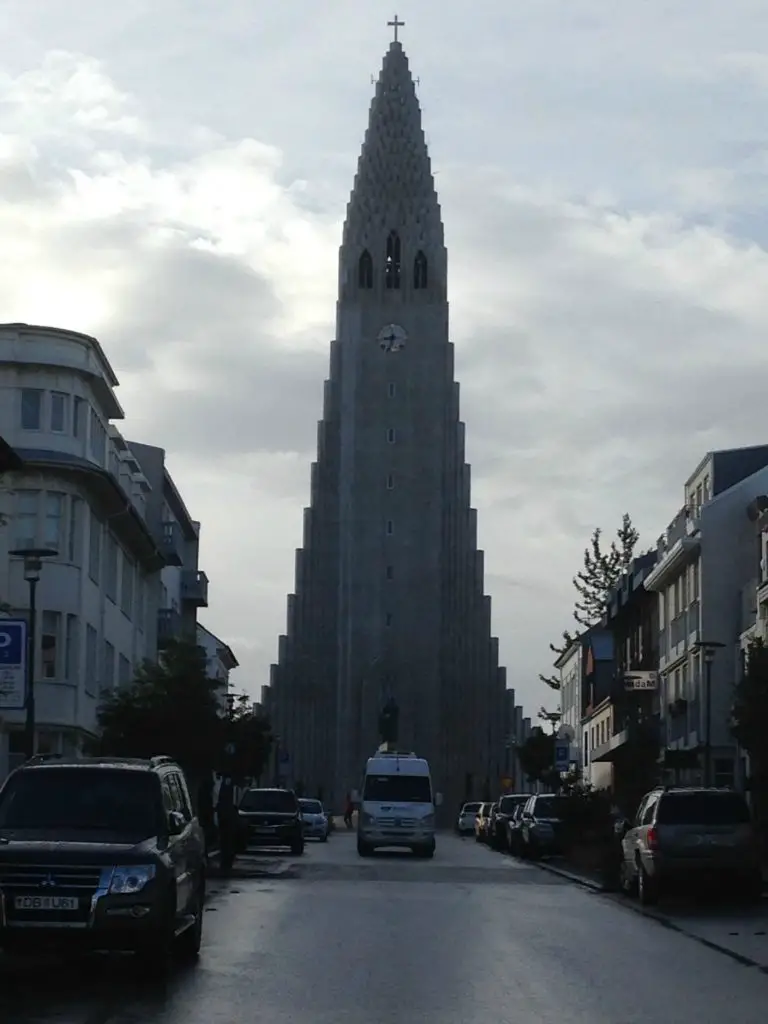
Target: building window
{"type": "Point", "coordinates": [391, 482]}
{"type": "Point", "coordinates": [420, 271]}
{"type": "Point", "coordinates": [94, 549]}
{"type": "Point", "coordinates": [393, 262]}
{"type": "Point", "coordinates": [110, 567]}
{"type": "Point", "coordinates": [390, 572]}
{"type": "Point", "coordinates": [91, 661]}
{"type": "Point", "coordinates": [54, 520]}
{"type": "Point", "coordinates": [78, 417]}
{"type": "Point", "coordinates": [140, 599]}
{"type": "Point", "coordinates": [31, 409]}
{"type": "Point", "coordinates": [25, 524]}
{"type": "Point", "coordinates": [109, 665]}
{"type": "Point", "coordinates": [391, 435]}
{"type": "Point", "coordinates": [390, 527]}
{"type": "Point", "coordinates": [365, 270]}
{"type": "Point", "coordinates": [98, 439]}
{"type": "Point", "coordinates": [124, 674]}
{"type": "Point", "coordinates": [126, 589]}
{"type": "Point", "coordinates": [58, 412]}
{"type": "Point", "coordinates": [75, 524]}
{"type": "Point", "coordinates": [70, 649]}
{"type": "Point", "coordinates": [391, 390]}
{"type": "Point", "coordinates": [389, 618]}
{"type": "Point", "coordinates": [49, 644]}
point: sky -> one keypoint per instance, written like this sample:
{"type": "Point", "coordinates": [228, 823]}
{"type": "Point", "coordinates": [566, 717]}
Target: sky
{"type": "Point", "coordinates": [173, 179]}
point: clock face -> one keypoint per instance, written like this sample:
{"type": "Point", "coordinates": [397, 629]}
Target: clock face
{"type": "Point", "coordinates": [392, 338]}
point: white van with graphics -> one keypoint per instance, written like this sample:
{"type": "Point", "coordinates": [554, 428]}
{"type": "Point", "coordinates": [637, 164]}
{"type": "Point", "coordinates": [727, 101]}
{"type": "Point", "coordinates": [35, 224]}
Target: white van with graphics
{"type": "Point", "coordinates": [397, 805]}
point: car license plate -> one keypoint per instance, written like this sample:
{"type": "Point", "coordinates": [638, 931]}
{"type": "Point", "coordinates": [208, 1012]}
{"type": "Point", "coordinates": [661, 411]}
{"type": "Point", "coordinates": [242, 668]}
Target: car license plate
{"type": "Point", "coordinates": [264, 830]}
{"type": "Point", "coordinates": [46, 903]}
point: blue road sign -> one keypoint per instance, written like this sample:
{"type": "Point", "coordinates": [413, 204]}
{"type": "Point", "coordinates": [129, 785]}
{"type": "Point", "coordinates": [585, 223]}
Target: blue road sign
{"type": "Point", "coordinates": [13, 663]}
{"type": "Point", "coordinates": [562, 756]}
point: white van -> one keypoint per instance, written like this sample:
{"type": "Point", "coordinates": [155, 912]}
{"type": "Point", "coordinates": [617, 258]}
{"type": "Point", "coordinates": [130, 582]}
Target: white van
{"type": "Point", "coordinates": [397, 807]}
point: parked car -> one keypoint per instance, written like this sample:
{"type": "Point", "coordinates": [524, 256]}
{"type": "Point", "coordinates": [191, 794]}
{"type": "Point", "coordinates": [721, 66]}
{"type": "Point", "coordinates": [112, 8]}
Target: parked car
{"type": "Point", "coordinates": [543, 825]}
{"type": "Point", "coordinates": [314, 819]}
{"type": "Point", "coordinates": [102, 853]}
{"type": "Point", "coordinates": [514, 831]}
{"type": "Point", "coordinates": [465, 823]}
{"type": "Point", "coordinates": [691, 834]}
{"type": "Point", "coordinates": [271, 817]}
{"type": "Point", "coordinates": [499, 837]}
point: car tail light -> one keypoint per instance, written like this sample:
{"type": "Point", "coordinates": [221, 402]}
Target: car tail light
{"type": "Point", "coordinates": [653, 838]}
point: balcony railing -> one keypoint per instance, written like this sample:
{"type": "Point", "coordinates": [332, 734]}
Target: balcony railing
{"type": "Point", "coordinates": [194, 588]}
{"type": "Point", "coordinates": [169, 626]}
{"type": "Point", "coordinates": [172, 543]}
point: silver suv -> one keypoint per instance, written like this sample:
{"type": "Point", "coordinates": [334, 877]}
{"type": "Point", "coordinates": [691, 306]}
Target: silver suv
{"type": "Point", "coordinates": [691, 834]}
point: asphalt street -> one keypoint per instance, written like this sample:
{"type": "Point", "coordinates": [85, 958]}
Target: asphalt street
{"type": "Point", "coordinates": [467, 938]}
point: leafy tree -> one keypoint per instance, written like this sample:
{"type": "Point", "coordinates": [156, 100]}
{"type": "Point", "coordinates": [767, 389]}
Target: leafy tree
{"type": "Point", "coordinates": [171, 707]}
{"type": "Point", "coordinates": [749, 724]}
{"type": "Point", "coordinates": [248, 739]}
{"type": "Point", "coordinates": [537, 756]}
{"type": "Point", "coordinates": [551, 717]}
{"type": "Point", "coordinates": [601, 572]}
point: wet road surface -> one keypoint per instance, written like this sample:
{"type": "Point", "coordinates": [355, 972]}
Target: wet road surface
{"type": "Point", "coordinates": [469, 937]}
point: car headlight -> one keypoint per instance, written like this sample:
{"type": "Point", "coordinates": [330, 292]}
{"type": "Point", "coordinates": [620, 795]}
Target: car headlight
{"type": "Point", "coordinates": [368, 819]}
{"type": "Point", "coordinates": [429, 821]}
{"type": "Point", "coordinates": [131, 879]}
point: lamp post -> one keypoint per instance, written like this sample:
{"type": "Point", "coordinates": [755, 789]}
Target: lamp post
{"type": "Point", "coordinates": [709, 649]}
{"type": "Point", "coordinates": [33, 564]}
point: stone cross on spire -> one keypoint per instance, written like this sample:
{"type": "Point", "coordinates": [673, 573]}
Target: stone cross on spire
{"type": "Point", "coordinates": [396, 24]}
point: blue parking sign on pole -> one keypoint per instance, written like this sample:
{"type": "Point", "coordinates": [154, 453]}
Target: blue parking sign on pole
{"type": "Point", "coordinates": [13, 664]}
{"type": "Point", "coordinates": [562, 756]}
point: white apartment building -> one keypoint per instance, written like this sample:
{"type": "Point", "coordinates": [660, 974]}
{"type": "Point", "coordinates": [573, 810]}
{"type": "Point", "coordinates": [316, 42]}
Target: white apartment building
{"type": "Point", "coordinates": [219, 658]}
{"type": "Point", "coordinates": [706, 562]}
{"type": "Point", "coordinates": [570, 666]}
{"type": "Point", "coordinates": [103, 601]}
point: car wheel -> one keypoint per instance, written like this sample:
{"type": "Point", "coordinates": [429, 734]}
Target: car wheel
{"type": "Point", "coordinates": [190, 941]}
{"type": "Point", "coordinates": [155, 952]}
{"type": "Point", "coordinates": [297, 848]}
{"type": "Point", "coordinates": [363, 849]}
{"type": "Point", "coordinates": [647, 888]}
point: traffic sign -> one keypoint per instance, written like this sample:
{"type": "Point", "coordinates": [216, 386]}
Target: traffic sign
{"type": "Point", "coordinates": [562, 756]}
{"type": "Point", "coordinates": [13, 664]}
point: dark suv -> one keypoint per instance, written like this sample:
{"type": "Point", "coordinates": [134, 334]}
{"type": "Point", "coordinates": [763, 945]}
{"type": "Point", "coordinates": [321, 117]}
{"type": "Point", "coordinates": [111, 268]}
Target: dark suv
{"type": "Point", "coordinates": [102, 851]}
{"type": "Point", "coordinates": [271, 817]}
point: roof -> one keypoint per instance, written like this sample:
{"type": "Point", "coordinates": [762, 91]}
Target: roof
{"type": "Point", "coordinates": [391, 764]}
{"type": "Point", "coordinates": [122, 763]}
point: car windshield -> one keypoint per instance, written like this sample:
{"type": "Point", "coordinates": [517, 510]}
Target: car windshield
{"type": "Point", "coordinates": [507, 804]}
{"type": "Point", "coordinates": [550, 806]}
{"type": "Point", "coordinates": [311, 806]}
{"type": "Point", "coordinates": [407, 789]}
{"type": "Point", "coordinates": [703, 809]}
{"type": "Point", "coordinates": [125, 802]}
{"type": "Point", "coordinates": [470, 808]}
{"type": "Point", "coordinates": [278, 801]}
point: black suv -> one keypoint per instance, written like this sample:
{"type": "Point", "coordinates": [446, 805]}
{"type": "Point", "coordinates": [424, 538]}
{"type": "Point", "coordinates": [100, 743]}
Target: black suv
{"type": "Point", "coordinates": [104, 851]}
{"type": "Point", "coordinates": [271, 817]}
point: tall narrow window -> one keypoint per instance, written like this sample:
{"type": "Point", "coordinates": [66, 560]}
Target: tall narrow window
{"type": "Point", "coordinates": [91, 661]}
{"type": "Point", "coordinates": [49, 644]}
{"type": "Point", "coordinates": [391, 390]}
{"type": "Point", "coordinates": [94, 549]}
{"type": "Point", "coordinates": [71, 652]}
{"type": "Point", "coordinates": [389, 618]}
{"type": "Point", "coordinates": [391, 482]}
{"type": "Point", "coordinates": [31, 409]}
{"type": "Point", "coordinates": [391, 435]}
{"type": "Point", "coordinates": [390, 572]}
{"type": "Point", "coordinates": [392, 265]}
{"type": "Point", "coordinates": [59, 403]}
{"type": "Point", "coordinates": [25, 525]}
{"type": "Point", "coordinates": [420, 271]}
{"type": "Point", "coordinates": [390, 527]}
{"type": "Point", "coordinates": [365, 270]}
{"type": "Point", "coordinates": [109, 665]}
{"type": "Point", "coordinates": [75, 529]}
{"type": "Point", "coordinates": [54, 518]}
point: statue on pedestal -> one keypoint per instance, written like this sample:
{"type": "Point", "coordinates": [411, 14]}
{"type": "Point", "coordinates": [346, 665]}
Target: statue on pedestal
{"type": "Point", "coordinates": [389, 721]}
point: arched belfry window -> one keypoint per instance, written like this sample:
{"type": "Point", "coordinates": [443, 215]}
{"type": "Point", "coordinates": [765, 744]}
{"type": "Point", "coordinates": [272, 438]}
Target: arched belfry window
{"type": "Point", "coordinates": [365, 270]}
{"type": "Point", "coordinates": [392, 265]}
{"type": "Point", "coordinates": [420, 271]}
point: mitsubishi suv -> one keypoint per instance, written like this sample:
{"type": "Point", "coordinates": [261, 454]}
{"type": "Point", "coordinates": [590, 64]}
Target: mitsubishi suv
{"type": "Point", "coordinates": [104, 852]}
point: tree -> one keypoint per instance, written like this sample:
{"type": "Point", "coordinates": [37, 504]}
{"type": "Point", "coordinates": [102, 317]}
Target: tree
{"type": "Point", "coordinates": [749, 724]}
{"type": "Point", "coordinates": [248, 739]}
{"type": "Point", "coordinates": [171, 707]}
{"type": "Point", "coordinates": [537, 755]}
{"type": "Point", "coordinates": [550, 717]}
{"type": "Point", "coordinates": [601, 571]}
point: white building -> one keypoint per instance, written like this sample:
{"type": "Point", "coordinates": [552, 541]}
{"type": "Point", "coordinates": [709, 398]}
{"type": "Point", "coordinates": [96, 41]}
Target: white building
{"type": "Point", "coordinates": [570, 666]}
{"type": "Point", "coordinates": [707, 563]}
{"type": "Point", "coordinates": [101, 601]}
{"type": "Point", "coordinates": [219, 658]}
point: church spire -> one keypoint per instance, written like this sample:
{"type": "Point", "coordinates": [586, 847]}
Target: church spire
{"type": "Point", "coordinates": [394, 188]}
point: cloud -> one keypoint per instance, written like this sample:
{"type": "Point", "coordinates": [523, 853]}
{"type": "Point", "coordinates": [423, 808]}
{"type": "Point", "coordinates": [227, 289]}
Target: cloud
{"type": "Point", "coordinates": [607, 258]}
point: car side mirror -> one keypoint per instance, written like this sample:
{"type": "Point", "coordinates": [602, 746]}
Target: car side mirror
{"type": "Point", "coordinates": [438, 799]}
{"type": "Point", "coordinates": [176, 823]}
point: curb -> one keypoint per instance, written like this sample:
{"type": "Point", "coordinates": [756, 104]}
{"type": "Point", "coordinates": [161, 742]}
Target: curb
{"type": "Point", "coordinates": [651, 914]}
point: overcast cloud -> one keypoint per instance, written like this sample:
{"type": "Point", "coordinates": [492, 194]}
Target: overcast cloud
{"type": "Point", "coordinates": [173, 177]}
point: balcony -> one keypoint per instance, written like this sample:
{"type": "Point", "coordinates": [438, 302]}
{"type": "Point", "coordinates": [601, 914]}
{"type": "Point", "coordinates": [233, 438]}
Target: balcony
{"type": "Point", "coordinates": [172, 543]}
{"type": "Point", "coordinates": [168, 626]}
{"type": "Point", "coordinates": [194, 588]}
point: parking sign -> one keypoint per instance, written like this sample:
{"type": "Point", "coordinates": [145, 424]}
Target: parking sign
{"type": "Point", "coordinates": [13, 664]}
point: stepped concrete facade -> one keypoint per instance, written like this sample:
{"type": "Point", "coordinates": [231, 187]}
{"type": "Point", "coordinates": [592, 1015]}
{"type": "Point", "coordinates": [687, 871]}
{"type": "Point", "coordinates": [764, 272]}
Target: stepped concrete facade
{"type": "Point", "coordinates": [389, 597]}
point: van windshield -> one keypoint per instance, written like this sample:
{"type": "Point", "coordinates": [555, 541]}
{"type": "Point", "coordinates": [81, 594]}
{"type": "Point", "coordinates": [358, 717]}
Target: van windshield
{"type": "Point", "coordinates": [408, 789]}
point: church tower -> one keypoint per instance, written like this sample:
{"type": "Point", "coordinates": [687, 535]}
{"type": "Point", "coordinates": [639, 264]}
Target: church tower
{"type": "Point", "coordinates": [389, 597]}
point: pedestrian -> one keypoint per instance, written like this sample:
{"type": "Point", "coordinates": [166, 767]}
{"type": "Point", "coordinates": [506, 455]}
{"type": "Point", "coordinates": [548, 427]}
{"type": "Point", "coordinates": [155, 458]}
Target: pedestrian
{"type": "Point", "coordinates": [349, 810]}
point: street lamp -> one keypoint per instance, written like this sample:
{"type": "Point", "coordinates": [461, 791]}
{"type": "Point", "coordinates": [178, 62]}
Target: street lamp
{"type": "Point", "coordinates": [709, 649]}
{"type": "Point", "coordinates": [33, 564]}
